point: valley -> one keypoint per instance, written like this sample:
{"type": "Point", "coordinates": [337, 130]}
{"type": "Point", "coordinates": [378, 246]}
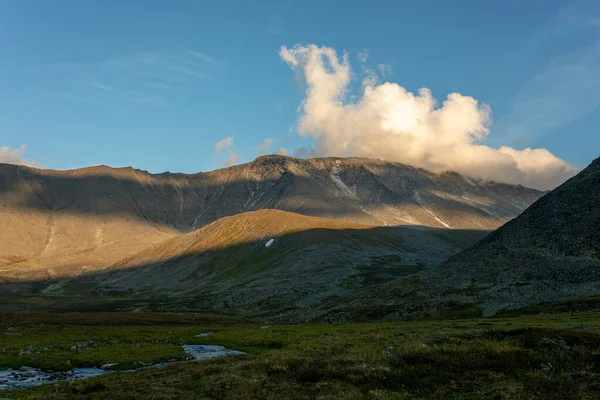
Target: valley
{"type": "Point", "coordinates": [519, 357]}
{"type": "Point", "coordinates": [329, 276]}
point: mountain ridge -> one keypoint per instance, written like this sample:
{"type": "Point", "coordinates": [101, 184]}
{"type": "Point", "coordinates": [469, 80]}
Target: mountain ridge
{"type": "Point", "coordinates": [263, 158]}
{"type": "Point", "coordinates": [96, 216]}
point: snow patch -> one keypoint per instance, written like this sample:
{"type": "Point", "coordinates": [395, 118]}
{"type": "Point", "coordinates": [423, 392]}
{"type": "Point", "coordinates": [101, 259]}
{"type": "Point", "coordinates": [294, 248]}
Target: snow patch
{"type": "Point", "coordinates": [98, 236]}
{"type": "Point", "coordinates": [253, 199]}
{"type": "Point", "coordinates": [470, 182]}
{"type": "Point", "coordinates": [420, 202]}
{"type": "Point", "coordinates": [179, 192]}
{"type": "Point", "coordinates": [340, 184]}
{"type": "Point", "coordinates": [479, 207]}
{"type": "Point", "coordinates": [204, 209]}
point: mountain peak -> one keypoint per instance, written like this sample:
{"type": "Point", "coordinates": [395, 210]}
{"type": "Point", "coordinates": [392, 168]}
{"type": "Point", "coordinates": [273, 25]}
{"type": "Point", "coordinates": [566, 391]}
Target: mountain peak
{"type": "Point", "coordinates": [274, 159]}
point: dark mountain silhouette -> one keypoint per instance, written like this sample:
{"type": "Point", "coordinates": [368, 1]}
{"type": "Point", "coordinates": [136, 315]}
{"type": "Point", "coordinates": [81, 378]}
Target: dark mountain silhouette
{"type": "Point", "coordinates": [550, 252]}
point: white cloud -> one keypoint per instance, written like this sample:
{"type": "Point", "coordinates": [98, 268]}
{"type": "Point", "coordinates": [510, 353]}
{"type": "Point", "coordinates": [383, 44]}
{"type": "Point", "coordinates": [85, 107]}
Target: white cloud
{"type": "Point", "coordinates": [389, 122]}
{"type": "Point", "coordinates": [144, 78]}
{"type": "Point", "coordinates": [233, 158]}
{"type": "Point", "coordinates": [265, 146]}
{"type": "Point", "coordinates": [226, 145]}
{"type": "Point", "coordinates": [575, 17]}
{"type": "Point", "coordinates": [567, 90]}
{"type": "Point", "coordinates": [370, 77]}
{"type": "Point", "coordinates": [283, 151]}
{"type": "Point", "coordinates": [363, 56]}
{"type": "Point", "coordinates": [384, 69]}
{"type": "Point", "coordinates": [9, 155]}
{"type": "Point", "coordinates": [302, 152]}
{"type": "Point", "coordinates": [174, 66]}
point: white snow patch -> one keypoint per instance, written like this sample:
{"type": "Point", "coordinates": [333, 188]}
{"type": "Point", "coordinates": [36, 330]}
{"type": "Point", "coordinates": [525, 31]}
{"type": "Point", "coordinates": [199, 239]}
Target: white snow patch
{"type": "Point", "coordinates": [269, 243]}
{"type": "Point", "coordinates": [205, 208]}
{"type": "Point", "coordinates": [437, 219]}
{"type": "Point", "coordinates": [179, 192]}
{"type": "Point", "coordinates": [470, 182]}
{"type": "Point", "coordinates": [253, 199]}
{"type": "Point", "coordinates": [98, 236]}
{"type": "Point", "coordinates": [339, 183]}
{"type": "Point", "coordinates": [420, 202]}
{"type": "Point", "coordinates": [474, 204]}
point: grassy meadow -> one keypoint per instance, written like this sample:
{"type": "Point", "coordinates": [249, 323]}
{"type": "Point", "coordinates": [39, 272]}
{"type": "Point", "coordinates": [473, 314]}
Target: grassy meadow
{"type": "Point", "coordinates": [521, 357]}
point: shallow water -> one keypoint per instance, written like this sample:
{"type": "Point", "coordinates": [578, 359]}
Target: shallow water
{"type": "Point", "coordinates": [17, 379]}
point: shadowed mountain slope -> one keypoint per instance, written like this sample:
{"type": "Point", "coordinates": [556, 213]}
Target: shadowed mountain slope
{"type": "Point", "coordinates": [98, 215]}
{"type": "Point", "coordinates": [268, 262]}
{"type": "Point", "coordinates": [550, 252]}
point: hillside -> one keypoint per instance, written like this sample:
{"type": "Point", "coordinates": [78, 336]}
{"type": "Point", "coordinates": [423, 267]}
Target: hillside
{"type": "Point", "coordinates": [267, 262]}
{"type": "Point", "coordinates": [96, 216]}
{"type": "Point", "coordinates": [550, 252]}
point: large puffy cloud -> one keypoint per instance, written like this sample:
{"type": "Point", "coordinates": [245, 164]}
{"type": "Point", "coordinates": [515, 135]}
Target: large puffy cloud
{"type": "Point", "coordinates": [388, 122]}
{"type": "Point", "coordinates": [9, 155]}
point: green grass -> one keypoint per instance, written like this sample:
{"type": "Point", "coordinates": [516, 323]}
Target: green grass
{"type": "Point", "coordinates": [470, 290]}
{"type": "Point", "coordinates": [544, 357]}
{"type": "Point", "coordinates": [368, 275]}
{"type": "Point", "coordinates": [582, 304]}
{"type": "Point", "coordinates": [460, 312]}
{"type": "Point", "coordinates": [461, 238]}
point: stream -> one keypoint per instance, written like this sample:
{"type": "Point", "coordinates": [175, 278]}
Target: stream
{"type": "Point", "coordinates": [29, 377]}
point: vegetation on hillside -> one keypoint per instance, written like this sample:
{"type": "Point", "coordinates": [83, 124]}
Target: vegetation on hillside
{"type": "Point", "coordinates": [545, 357]}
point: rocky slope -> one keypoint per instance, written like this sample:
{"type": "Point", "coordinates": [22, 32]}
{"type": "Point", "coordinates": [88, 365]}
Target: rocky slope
{"type": "Point", "coordinates": [550, 252]}
{"type": "Point", "coordinates": [268, 263]}
{"type": "Point", "coordinates": [95, 216]}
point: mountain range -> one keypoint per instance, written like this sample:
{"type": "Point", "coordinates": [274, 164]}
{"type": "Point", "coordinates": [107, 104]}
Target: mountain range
{"type": "Point", "coordinates": [91, 216]}
{"type": "Point", "coordinates": [291, 239]}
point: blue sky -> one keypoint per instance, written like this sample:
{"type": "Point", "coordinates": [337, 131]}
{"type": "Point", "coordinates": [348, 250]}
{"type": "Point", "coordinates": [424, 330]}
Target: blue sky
{"type": "Point", "coordinates": [157, 84]}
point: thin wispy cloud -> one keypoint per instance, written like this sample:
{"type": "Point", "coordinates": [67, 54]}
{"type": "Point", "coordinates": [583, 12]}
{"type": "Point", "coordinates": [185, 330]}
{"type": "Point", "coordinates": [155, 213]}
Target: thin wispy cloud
{"type": "Point", "coordinates": [175, 66]}
{"type": "Point", "coordinates": [385, 70]}
{"type": "Point", "coordinates": [566, 90]}
{"type": "Point", "coordinates": [265, 146]}
{"type": "Point", "coordinates": [16, 156]}
{"type": "Point", "coordinates": [574, 18]}
{"type": "Point", "coordinates": [108, 88]}
{"type": "Point", "coordinates": [302, 152]}
{"type": "Point", "coordinates": [363, 56]}
{"type": "Point", "coordinates": [142, 78]}
{"type": "Point", "coordinates": [226, 145]}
